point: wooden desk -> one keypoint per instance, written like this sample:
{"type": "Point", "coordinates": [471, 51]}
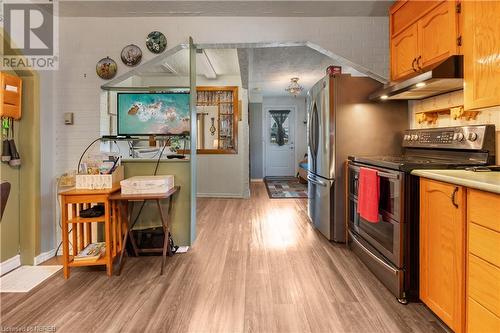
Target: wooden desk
{"type": "Point", "coordinates": [74, 201]}
{"type": "Point", "coordinates": [121, 210]}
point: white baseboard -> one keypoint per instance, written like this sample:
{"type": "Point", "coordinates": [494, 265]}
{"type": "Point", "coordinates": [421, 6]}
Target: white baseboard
{"type": "Point", "coordinates": [219, 195]}
{"type": "Point", "coordinates": [44, 257]}
{"type": "Point", "coordinates": [10, 264]}
{"type": "Point", "coordinates": [256, 180]}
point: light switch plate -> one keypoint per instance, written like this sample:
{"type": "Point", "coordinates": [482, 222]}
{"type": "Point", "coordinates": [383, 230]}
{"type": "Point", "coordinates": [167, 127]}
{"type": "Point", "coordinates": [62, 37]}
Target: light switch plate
{"type": "Point", "coordinates": [68, 118]}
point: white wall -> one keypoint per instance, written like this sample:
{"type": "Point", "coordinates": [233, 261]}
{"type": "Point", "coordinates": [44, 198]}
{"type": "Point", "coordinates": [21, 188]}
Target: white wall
{"type": "Point", "coordinates": [299, 103]}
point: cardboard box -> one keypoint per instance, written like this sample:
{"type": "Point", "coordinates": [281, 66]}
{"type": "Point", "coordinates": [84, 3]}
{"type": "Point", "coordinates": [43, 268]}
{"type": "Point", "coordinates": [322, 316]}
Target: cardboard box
{"type": "Point", "coordinates": [99, 182]}
{"type": "Point", "coordinates": [147, 184]}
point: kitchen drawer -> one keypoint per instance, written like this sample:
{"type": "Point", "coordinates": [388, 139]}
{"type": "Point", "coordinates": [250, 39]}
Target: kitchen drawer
{"type": "Point", "coordinates": [484, 243]}
{"type": "Point", "coordinates": [484, 283]}
{"type": "Point", "coordinates": [480, 320]}
{"type": "Point", "coordinates": [484, 208]}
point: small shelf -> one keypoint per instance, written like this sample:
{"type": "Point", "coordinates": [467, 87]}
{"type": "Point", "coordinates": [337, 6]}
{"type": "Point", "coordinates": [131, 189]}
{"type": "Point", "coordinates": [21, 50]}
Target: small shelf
{"type": "Point", "coordinates": [100, 261]}
{"type": "Point", "coordinates": [79, 219]}
{"type": "Point", "coordinates": [455, 112]}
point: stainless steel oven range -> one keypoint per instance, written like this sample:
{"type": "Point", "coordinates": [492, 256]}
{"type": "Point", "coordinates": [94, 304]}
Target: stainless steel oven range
{"type": "Point", "coordinates": [390, 247]}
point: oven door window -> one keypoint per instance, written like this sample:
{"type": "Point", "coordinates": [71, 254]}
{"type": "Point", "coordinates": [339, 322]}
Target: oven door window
{"type": "Point", "coordinates": [390, 198]}
{"type": "Point", "coordinates": [384, 236]}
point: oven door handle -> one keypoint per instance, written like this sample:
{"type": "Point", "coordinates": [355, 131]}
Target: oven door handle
{"type": "Point", "coordinates": [380, 173]}
{"type": "Point", "coordinates": [374, 257]}
{"type": "Point", "coordinates": [387, 175]}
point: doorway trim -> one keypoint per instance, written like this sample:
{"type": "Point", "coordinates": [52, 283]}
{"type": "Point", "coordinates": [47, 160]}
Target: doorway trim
{"type": "Point", "coordinates": [265, 110]}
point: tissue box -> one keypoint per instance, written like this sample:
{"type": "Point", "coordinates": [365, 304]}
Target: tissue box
{"type": "Point", "coordinates": [147, 184]}
{"type": "Point", "coordinates": [99, 182]}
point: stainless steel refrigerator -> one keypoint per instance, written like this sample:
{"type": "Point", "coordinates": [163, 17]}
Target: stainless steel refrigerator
{"type": "Point", "coordinates": [341, 122]}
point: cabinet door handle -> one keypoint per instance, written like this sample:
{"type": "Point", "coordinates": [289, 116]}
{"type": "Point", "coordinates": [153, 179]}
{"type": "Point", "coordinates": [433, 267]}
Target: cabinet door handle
{"type": "Point", "coordinates": [413, 64]}
{"type": "Point", "coordinates": [453, 195]}
{"type": "Point", "coordinates": [418, 62]}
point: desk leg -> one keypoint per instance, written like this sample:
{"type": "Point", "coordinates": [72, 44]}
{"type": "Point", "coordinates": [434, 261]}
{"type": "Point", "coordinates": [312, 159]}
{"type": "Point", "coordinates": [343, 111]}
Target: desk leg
{"type": "Point", "coordinates": [65, 238]}
{"type": "Point", "coordinates": [123, 215]}
{"type": "Point", "coordinates": [131, 225]}
{"type": "Point", "coordinates": [107, 237]}
{"type": "Point", "coordinates": [166, 245]}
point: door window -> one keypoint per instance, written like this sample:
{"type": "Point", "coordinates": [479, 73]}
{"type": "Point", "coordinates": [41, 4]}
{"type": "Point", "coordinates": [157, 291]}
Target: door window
{"type": "Point", "coordinates": [280, 127]}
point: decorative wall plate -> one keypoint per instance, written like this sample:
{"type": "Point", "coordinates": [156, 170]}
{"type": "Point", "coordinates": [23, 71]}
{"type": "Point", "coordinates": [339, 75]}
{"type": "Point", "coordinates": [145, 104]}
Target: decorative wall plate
{"type": "Point", "coordinates": [131, 55]}
{"type": "Point", "coordinates": [156, 42]}
{"type": "Point", "coordinates": [106, 68]}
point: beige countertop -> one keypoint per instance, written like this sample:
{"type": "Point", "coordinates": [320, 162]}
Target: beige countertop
{"type": "Point", "coordinates": [486, 181]}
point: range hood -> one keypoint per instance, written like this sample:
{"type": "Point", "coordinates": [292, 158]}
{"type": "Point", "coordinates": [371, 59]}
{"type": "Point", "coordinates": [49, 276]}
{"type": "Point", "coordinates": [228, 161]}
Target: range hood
{"type": "Point", "coordinates": [445, 77]}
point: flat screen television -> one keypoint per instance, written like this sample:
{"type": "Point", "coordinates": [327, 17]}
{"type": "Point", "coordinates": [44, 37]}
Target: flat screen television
{"type": "Point", "coordinates": [141, 114]}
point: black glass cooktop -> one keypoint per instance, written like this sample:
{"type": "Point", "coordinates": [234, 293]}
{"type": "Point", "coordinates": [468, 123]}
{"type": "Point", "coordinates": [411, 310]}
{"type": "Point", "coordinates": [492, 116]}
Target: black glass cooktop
{"type": "Point", "coordinates": [409, 163]}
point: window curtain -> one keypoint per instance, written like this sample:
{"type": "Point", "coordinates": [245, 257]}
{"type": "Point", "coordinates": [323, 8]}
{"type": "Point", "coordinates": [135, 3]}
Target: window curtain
{"type": "Point", "coordinates": [280, 117]}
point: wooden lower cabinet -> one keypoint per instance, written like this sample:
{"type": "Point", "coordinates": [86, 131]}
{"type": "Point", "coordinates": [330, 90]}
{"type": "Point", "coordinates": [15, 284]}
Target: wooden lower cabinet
{"type": "Point", "coordinates": [442, 249]}
{"type": "Point", "coordinates": [483, 262]}
{"type": "Point", "coordinates": [480, 320]}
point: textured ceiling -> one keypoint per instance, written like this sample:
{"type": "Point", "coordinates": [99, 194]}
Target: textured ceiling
{"type": "Point", "coordinates": [118, 8]}
{"type": "Point", "coordinates": [270, 69]}
{"type": "Point", "coordinates": [264, 71]}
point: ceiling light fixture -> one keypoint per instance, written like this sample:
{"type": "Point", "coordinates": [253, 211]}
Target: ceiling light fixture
{"type": "Point", "coordinates": [420, 84]}
{"type": "Point", "coordinates": [294, 87]}
{"type": "Point", "coordinates": [384, 97]}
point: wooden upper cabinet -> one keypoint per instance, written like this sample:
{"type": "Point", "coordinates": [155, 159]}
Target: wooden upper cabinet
{"type": "Point", "coordinates": [404, 47]}
{"type": "Point", "coordinates": [437, 33]}
{"type": "Point", "coordinates": [481, 42]}
{"type": "Point", "coordinates": [442, 248]}
{"type": "Point", "coordinates": [423, 33]}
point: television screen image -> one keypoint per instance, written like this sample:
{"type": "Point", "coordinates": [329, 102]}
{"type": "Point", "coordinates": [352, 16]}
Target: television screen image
{"type": "Point", "coordinates": [153, 113]}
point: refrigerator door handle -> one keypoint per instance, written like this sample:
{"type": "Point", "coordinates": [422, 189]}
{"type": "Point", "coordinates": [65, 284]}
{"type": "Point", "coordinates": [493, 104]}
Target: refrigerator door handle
{"type": "Point", "coordinates": [311, 126]}
{"type": "Point", "coordinates": [316, 181]}
{"type": "Point", "coordinates": [313, 131]}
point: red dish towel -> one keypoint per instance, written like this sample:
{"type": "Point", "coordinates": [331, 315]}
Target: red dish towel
{"type": "Point", "coordinates": [368, 194]}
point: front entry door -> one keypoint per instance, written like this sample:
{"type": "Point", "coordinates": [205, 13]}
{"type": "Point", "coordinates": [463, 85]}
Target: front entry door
{"type": "Point", "coordinates": [279, 141]}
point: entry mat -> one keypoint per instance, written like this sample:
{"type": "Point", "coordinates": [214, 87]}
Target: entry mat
{"type": "Point", "coordinates": [25, 278]}
{"type": "Point", "coordinates": [285, 188]}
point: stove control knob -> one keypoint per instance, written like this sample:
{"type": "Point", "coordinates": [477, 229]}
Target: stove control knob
{"type": "Point", "coordinates": [472, 136]}
{"type": "Point", "coordinates": [407, 137]}
{"type": "Point", "coordinates": [458, 136]}
{"type": "Point", "coordinates": [414, 137]}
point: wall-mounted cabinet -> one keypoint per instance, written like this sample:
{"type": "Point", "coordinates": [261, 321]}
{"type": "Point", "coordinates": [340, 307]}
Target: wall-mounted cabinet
{"type": "Point", "coordinates": [481, 54]}
{"type": "Point", "coordinates": [423, 33]}
{"type": "Point", "coordinates": [217, 120]}
{"type": "Point", "coordinates": [10, 96]}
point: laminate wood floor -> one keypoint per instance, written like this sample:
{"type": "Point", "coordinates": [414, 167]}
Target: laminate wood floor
{"type": "Point", "coordinates": [256, 266]}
